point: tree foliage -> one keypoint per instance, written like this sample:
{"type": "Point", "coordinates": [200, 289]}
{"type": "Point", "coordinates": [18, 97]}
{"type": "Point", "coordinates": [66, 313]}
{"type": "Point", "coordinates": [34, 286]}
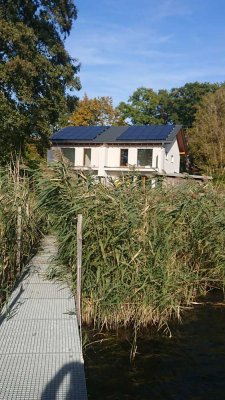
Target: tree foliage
{"type": "Point", "coordinates": [184, 101]}
{"type": "Point", "coordinates": [35, 70]}
{"type": "Point", "coordinates": [207, 136]}
{"type": "Point", "coordinates": [96, 111]}
{"type": "Point", "coordinates": [143, 107]}
{"type": "Point", "coordinates": [178, 105]}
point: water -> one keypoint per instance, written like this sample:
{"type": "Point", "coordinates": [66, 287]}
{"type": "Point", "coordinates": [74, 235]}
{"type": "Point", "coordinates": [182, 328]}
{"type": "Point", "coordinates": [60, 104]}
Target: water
{"type": "Point", "coordinates": [189, 366]}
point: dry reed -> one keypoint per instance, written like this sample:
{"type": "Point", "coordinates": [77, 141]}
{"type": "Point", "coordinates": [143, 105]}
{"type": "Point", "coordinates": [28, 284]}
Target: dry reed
{"type": "Point", "coordinates": [20, 226]}
{"type": "Point", "coordinates": [146, 252]}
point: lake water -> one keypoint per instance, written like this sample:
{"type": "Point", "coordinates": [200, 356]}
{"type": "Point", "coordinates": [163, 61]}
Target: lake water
{"type": "Point", "coordinates": [188, 366]}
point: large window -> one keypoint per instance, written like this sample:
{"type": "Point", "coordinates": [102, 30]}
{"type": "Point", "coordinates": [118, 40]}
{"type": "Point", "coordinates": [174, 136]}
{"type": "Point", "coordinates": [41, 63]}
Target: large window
{"type": "Point", "coordinates": [87, 157]}
{"type": "Point", "coordinates": [69, 154]}
{"type": "Point", "coordinates": [144, 158]}
{"type": "Point", "coordinates": [123, 157]}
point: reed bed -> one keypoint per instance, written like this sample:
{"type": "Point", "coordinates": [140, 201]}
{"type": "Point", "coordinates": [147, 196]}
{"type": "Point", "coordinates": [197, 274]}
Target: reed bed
{"type": "Point", "coordinates": [20, 226]}
{"type": "Point", "coordinates": [146, 252]}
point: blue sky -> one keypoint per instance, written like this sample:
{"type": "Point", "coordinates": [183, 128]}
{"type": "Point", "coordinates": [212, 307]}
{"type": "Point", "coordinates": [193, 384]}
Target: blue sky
{"type": "Point", "coordinates": [125, 44]}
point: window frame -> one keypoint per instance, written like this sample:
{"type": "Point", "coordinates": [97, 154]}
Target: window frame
{"type": "Point", "coordinates": [146, 165]}
{"type": "Point", "coordinates": [85, 149]}
{"type": "Point", "coordinates": [63, 155]}
{"type": "Point", "coordinates": [126, 163]}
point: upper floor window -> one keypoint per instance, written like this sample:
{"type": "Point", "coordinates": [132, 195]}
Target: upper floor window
{"type": "Point", "coordinates": [87, 157]}
{"type": "Point", "coordinates": [69, 154]}
{"type": "Point", "coordinates": [123, 157]}
{"type": "Point", "coordinates": [144, 158]}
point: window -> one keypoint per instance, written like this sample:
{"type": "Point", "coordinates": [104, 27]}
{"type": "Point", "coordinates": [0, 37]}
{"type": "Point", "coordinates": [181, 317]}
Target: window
{"type": "Point", "coordinates": [69, 154]}
{"type": "Point", "coordinates": [172, 159]}
{"type": "Point", "coordinates": [144, 158]}
{"type": "Point", "coordinates": [157, 162]}
{"type": "Point", "coordinates": [123, 157]}
{"type": "Point", "coordinates": [87, 157]}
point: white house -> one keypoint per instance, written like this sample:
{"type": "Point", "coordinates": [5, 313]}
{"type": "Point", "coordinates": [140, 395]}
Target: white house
{"type": "Point", "coordinates": [113, 151]}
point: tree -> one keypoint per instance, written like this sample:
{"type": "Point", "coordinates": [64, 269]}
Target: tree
{"type": "Point", "coordinates": [206, 138]}
{"type": "Point", "coordinates": [143, 108]}
{"type": "Point", "coordinates": [177, 106]}
{"type": "Point", "coordinates": [96, 111]}
{"type": "Point", "coordinates": [183, 101]}
{"type": "Point", "coordinates": [35, 70]}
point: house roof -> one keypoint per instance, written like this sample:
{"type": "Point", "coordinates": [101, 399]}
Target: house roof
{"type": "Point", "coordinates": [78, 133]}
{"type": "Point", "coordinates": [117, 134]}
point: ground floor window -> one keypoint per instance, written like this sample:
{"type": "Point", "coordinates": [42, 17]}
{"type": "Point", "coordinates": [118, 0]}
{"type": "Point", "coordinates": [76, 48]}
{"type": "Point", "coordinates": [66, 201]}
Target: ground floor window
{"type": "Point", "coordinates": [69, 154]}
{"type": "Point", "coordinates": [87, 157]}
{"type": "Point", "coordinates": [123, 157]}
{"type": "Point", "coordinates": [144, 158]}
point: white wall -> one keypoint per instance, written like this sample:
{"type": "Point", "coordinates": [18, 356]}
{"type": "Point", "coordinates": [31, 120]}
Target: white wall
{"type": "Point", "coordinates": [171, 158]}
{"type": "Point", "coordinates": [79, 155]}
{"type": "Point", "coordinates": [109, 156]}
{"type": "Point", "coordinates": [102, 154]}
{"type": "Point", "coordinates": [94, 157]}
{"type": "Point", "coordinates": [113, 156]}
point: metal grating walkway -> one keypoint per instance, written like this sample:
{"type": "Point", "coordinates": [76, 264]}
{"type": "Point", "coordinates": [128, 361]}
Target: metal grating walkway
{"type": "Point", "coordinates": [40, 353]}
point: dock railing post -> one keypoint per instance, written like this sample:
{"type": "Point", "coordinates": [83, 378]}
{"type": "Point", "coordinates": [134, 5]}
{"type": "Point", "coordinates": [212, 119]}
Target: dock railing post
{"type": "Point", "coordinates": [79, 270]}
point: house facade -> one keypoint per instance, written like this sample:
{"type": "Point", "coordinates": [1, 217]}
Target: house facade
{"type": "Point", "coordinates": [114, 151]}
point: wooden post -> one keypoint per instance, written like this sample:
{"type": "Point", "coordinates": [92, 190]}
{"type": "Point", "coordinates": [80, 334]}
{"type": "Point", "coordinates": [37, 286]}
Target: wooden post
{"type": "Point", "coordinates": [18, 234]}
{"type": "Point", "coordinates": [79, 266]}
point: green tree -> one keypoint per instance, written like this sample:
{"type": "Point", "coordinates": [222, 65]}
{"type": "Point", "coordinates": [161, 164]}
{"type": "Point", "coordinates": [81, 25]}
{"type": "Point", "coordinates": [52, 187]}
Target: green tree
{"type": "Point", "coordinates": [176, 106]}
{"type": "Point", "coordinates": [143, 108]}
{"type": "Point", "coordinates": [96, 111]}
{"type": "Point", "coordinates": [36, 71]}
{"type": "Point", "coordinates": [184, 101]}
{"type": "Point", "coordinates": [206, 138]}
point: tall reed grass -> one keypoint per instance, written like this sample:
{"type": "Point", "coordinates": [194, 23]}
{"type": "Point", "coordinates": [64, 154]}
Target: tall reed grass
{"type": "Point", "coordinates": [20, 226]}
{"type": "Point", "coordinates": [146, 252]}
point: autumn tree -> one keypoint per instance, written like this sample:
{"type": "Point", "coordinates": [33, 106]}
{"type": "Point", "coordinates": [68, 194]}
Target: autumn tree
{"type": "Point", "coordinates": [36, 71]}
{"type": "Point", "coordinates": [207, 136]}
{"type": "Point", "coordinates": [96, 111]}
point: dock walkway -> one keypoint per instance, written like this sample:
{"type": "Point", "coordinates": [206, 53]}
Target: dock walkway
{"type": "Point", "coordinates": [40, 352]}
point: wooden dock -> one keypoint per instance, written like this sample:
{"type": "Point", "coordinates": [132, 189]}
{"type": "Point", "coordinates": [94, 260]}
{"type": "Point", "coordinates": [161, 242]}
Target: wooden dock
{"type": "Point", "coordinates": [40, 352]}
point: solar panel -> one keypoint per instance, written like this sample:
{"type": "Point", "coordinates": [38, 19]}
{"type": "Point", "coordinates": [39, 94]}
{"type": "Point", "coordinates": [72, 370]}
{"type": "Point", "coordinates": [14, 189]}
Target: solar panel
{"type": "Point", "coordinates": [147, 132]}
{"type": "Point", "coordinates": [78, 133]}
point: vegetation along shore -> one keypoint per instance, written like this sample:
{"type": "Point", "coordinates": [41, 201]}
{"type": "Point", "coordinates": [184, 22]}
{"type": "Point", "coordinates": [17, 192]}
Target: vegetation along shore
{"type": "Point", "coordinates": [146, 252]}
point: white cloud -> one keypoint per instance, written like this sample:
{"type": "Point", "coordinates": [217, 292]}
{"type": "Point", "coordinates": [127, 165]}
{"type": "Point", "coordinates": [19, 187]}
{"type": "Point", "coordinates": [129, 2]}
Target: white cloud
{"type": "Point", "coordinates": [116, 44]}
